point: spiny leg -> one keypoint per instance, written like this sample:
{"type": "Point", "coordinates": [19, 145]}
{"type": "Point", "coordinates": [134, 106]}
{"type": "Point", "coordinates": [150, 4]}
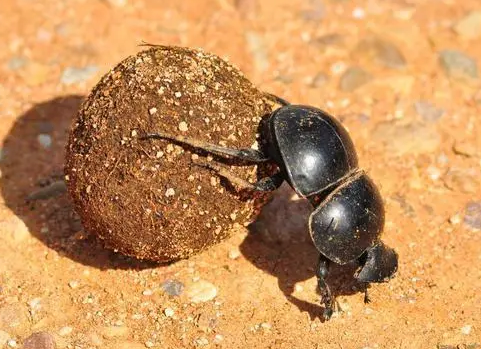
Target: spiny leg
{"type": "Point", "coordinates": [265, 184]}
{"type": "Point", "coordinates": [276, 99]}
{"type": "Point", "coordinates": [246, 154]}
{"type": "Point", "coordinates": [326, 296]}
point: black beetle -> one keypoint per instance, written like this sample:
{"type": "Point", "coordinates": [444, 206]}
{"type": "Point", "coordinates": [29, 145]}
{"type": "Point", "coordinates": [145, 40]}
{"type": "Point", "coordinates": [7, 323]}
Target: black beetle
{"type": "Point", "coordinates": [315, 155]}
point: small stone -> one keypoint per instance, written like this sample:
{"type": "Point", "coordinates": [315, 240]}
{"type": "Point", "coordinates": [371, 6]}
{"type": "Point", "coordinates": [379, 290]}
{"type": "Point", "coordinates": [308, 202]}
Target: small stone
{"type": "Point", "coordinates": [201, 291]}
{"type": "Point", "coordinates": [44, 140]}
{"type": "Point", "coordinates": [173, 287]}
{"type": "Point", "coordinates": [319, 80]}
{"type": "Point", "coordinates": [464, 181]}
{"type": "Point", "coordinates": [201, 342]}
{"type": "Point", "coordinates": [73, 284]}
{"type": "Point", "coordinates": [455, 219]}
{"type": "Point", "coordinates": [380, 51]}
{"type": "Point", "coordinates": [149, 344]}
{"type": "Point", "coordinates": [178, 94]}
{"type": "Point", "coordinates": [12, 343]}
{"type": "Point", "coordinates": [353, 78]}
{"type": "Point", "coordinates": [65, 331]}
{"type": "Point", "coordinates": [35, 304]}
{"type": "Point", "coordinates": [469, 26]}
{"type": "Point", "coordinates": [115, 331]}
{"type": "Point", "coordinates": [428, 111]}
{"type": "Point", "coordinates": [75, 75]}
{"type": "Point", "coordinates": [412, 138]}
{"type": "Point", "coordinates": [218, 338]}
{"type": "Point", "coordinates": [466, 329]}
{"type": "Point", "coordinates": [148, 292]}
{"type": "Point", "coordinates": [234, 254]}
{"type": "Point", "coordinates": [472, 216]}
{"type": "Point", "coordinates": [183, 126]}
{"type": "Point", "coordinates": [133, 133]}
{"type": "Point", "coordinates": [170, 192]}
{"type": "Point", "coordinates": [458, 65]}
{"type": "Point", "coordinates": [52, 190]}
{"type": "Point", "coordinates": [39, 340]}
{"type": "Point", "coordinates": [152, 111]}
{"type": "Point", "coordinates": [201, 88]}
{"type": "Point", "coordinates": [169, 312]}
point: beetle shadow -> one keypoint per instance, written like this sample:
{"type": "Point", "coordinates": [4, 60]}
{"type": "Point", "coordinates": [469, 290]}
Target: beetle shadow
{"type": "Point", "coordinates": [279, 244]}
{"type": "Point", "coordinates": [31, 165]}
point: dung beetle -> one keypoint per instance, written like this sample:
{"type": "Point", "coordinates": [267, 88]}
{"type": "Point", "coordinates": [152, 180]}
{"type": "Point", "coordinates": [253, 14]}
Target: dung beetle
{"type": "Point", "coordinates": [315, 155]}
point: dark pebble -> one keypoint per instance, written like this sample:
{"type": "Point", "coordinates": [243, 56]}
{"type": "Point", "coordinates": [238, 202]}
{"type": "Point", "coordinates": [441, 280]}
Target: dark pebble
{"type": "Point", "coordinates": [40, 340]}
{"type": "Point", "coordinates": [472, 216]}
{"type": "Point", "coordinates": [173, 287]}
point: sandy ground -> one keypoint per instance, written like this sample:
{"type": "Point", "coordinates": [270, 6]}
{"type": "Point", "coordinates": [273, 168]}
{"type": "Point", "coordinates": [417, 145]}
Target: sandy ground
{"type": "Point", "coordinates": [401, 75]}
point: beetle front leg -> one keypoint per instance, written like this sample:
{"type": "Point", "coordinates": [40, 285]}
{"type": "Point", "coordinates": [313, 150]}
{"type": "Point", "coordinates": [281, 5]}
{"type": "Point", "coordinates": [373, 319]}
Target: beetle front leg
{"type": "Point", "coordinates": [265, 184]}
{"type": "Point", "coordinates": [326, 296]}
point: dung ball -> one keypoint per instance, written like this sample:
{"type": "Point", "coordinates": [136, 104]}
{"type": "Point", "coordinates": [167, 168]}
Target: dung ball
{"type": "Point", "coordinates": [147, 198]}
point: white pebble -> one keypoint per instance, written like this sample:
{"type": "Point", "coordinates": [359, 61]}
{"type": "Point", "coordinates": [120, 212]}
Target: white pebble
{"type": "Point", "coordinates": [178, 94]}
{"type": "Point", "coordinates": [12, 343]}
{"type": "Point", "coordinates": [466, 329]}
{"type": "Point", "coordinates": [148, 292]}
{"type": "Point", "coordinates": [234, 254]}
{"type": "Point", "coordinates": [218, 338]}
{"type": "Point", "coordinates": [169, 312]}
{"type": "Point", "coordinates": [455, 219]}
{"type": "Point", "coordinates": [149, 344]}
{"type": "Point", "coordinates": [44, 140]}
{"type": "Point", "coordinates": [65, 331]}
{"type": "Point", "coordinates": [201, 88]}
{"type": "Point", "coordinates": [133, 133]}
{"type": "Point", "coordinates": [73, 284]}
{"type": "Point", "coordinates": [183, 126]}
{"type": "Point", "coordinates": [152, 111]}
{"type": "Point", "coordinates": [201, 291]}
{"type": "Point", "coordinates": [170, 192]}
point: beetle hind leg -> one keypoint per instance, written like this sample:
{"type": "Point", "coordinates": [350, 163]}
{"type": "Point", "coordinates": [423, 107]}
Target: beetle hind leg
{"type": "Point", "coordinates": [326, 296]}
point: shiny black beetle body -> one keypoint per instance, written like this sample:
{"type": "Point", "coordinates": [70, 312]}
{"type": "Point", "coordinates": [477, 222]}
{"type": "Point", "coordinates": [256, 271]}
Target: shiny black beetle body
{"type": "Point", "coordinates": [316, 156]}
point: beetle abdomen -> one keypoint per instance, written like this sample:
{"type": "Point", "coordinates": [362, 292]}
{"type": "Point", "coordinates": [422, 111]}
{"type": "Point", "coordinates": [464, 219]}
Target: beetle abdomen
{"type": "Point", "coordinates": [349, 220]}
{"type": "Point", "coordinates": [316, 150]}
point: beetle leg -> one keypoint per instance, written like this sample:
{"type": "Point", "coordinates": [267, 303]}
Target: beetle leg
{"type": "Point", "coordinates": [367, 299]}
{"type": "Point", "coordinates": [326, 296]}
{"type": "Point", "coordinates": [276, 99]}
{"type": "Point", "coordinates": [246, 154]}
{"type": "Point", "coordinates": [265, 184]}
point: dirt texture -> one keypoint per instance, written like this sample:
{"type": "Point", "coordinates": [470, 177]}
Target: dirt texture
{"type": "Point", "coordinates": [402, 76]}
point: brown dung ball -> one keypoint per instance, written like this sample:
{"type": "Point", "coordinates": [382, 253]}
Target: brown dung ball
{"type": "Point", "coordinates": [147, 198]}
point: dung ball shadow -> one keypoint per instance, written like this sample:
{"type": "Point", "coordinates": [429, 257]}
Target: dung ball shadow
{"type": "Point", "coordinates": [32, 168]}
